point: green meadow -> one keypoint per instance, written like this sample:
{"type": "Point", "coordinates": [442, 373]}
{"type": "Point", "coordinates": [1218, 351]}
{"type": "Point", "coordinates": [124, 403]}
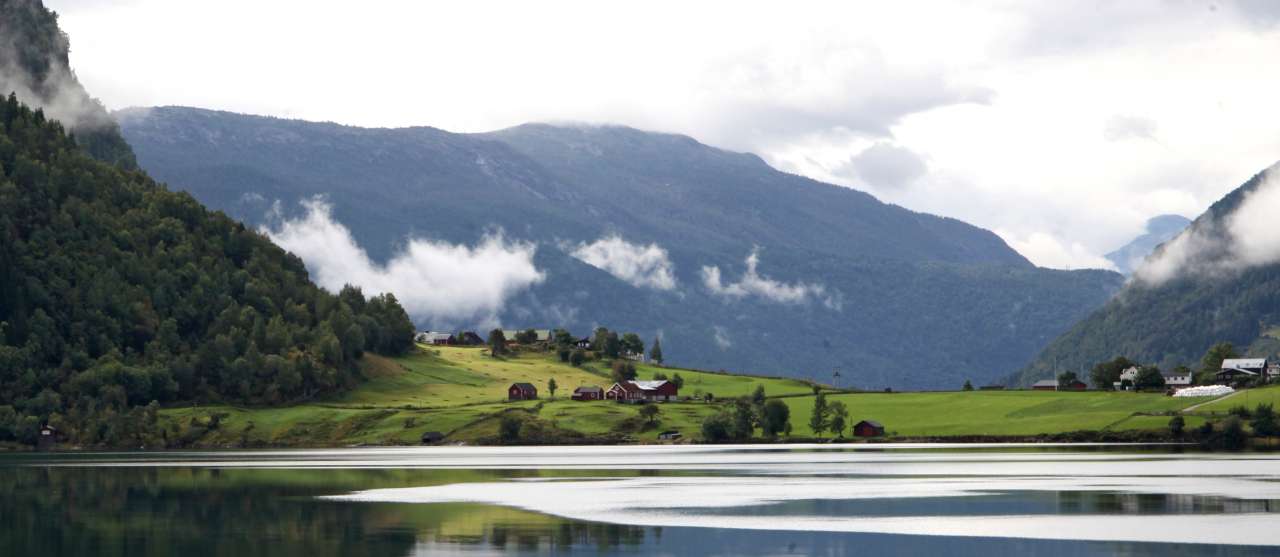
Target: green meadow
{"type": "Point", "coordinates": [461, 392]}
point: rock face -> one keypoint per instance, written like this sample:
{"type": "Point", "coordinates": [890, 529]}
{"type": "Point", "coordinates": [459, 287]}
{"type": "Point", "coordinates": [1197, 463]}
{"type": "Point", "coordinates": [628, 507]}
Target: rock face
{"type": "Point", "coordinates": [768, 272]}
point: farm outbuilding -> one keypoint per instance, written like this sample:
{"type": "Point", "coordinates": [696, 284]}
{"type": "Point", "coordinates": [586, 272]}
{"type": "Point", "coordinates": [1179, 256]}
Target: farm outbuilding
{"type": "Point", "coordinates": [643, 391]}
{"type": "Point", "coordinates": [522, 391]}
{"type": "Point", "coordinates": [868, 428]}
{"type": "Point", "coordinates": [1046, 385]}
{"type": "Point", "coordinates": [432, 437]}
{"type": "Point", "coordinates": [589, 392]}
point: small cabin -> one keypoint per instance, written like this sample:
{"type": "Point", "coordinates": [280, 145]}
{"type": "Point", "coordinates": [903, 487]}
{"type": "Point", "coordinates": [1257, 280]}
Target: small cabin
{"type": "Point", "coordinates": [868, 428]}
{"type": "Point", "coordinates": [522, 391]}
{"type": "Point", "coordinates": [48, 438]}
{"type": "Point", "coordinates": [432, 438]}
{"type": "Point", "coordinates": [643, 391]}
{"type": "Point", "coordinates": [589, 392]}
{"type": "Point", "coordinates": [583, 343]}
{"type": "Point", "coordinates": [669, 435]}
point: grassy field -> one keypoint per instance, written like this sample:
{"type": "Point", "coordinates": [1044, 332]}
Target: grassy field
{"type": "Point", "coordinates": [1249, 398]}
{"type": "Point", "coordinates": [990, 412]}
{"type": "Point", "coordinates": [461, 392]}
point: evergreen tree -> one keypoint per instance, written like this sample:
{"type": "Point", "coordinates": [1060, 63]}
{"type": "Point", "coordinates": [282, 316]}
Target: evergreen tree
{"type": "Point", "coordinates": [818, 418]}
{"type": "Point", "coordinates": [655, 353]}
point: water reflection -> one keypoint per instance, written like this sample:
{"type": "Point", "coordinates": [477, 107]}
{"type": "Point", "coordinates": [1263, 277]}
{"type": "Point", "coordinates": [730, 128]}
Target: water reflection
{"type": "Point", "coordinates": [175, 508]}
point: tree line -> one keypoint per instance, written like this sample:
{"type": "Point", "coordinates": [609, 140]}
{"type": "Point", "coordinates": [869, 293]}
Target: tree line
{"type": "Point", "coordinates": [116, 292]}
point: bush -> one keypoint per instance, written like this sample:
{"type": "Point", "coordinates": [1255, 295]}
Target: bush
{"type": "Point", "coordinates": [1177, 425]}
{"type": "Point", "coordinates": [1264, 421]}
{"type": "Point", "coordinates": [715, 429]}
{"type": "Point", "coordinates": [577, 357]}
{"type": "Point", "coordinates": [1233, 436]}
{"type": "Point", "coordinates": [1239, 411]}
{"type": "Point", "coordinates": [509, 428]}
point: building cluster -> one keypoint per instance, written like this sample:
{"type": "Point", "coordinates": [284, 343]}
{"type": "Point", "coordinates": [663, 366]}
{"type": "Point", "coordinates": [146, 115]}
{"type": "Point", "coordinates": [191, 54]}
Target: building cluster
{"type": "Point", "coordinates": [624, 391]}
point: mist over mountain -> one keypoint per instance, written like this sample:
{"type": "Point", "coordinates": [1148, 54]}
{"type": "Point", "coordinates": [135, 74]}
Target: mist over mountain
{"type": "Point", "coordinates": [736, 265]}
{"type": "Point", "coordinates": [34, 65]}
{"type": "Point", "coordinates": [1218, 280]}
{"type": "Point", "coordinates": [1158, 231]}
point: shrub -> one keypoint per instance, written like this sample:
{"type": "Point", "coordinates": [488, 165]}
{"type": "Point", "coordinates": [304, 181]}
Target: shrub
{"type": "Point", "coordinates": [715, 429]}
{"type": "Point", "coordinates": [1177, 425]}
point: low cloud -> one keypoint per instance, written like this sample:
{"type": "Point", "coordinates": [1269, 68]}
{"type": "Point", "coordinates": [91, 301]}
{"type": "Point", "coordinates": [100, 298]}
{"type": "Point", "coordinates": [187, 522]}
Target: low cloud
{"type": "Point", "coordinates": [437, 282]}
{"type": "Point", "coordinates": [753, 283]}
{"type": "Point", "coordinates": [1242, 239]}
{"type": "Point", "coordinates": [886, 166]}
{"type": "Point", "coordinates": [640, 266]}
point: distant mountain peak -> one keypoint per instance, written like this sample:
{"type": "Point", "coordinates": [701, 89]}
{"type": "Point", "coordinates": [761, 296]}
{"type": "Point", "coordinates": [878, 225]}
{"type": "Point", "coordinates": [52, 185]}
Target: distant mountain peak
{"type": "Point", "coordinates": [1159, 229]}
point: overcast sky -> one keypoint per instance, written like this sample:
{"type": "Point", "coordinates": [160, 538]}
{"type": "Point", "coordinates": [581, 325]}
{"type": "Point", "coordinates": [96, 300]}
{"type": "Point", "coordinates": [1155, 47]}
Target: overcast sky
{"type": "Point", "coordinates": [1062, 126]}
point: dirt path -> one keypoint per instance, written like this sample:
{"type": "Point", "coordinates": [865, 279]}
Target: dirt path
{"type": "Point", "coordinates": [1193, 407]}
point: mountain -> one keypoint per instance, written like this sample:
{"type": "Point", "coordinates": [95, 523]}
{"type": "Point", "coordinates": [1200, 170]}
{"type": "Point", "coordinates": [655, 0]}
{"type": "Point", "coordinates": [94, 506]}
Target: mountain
{"type": "Point", "coordinates": [34, 65]}
{"type": "Point", "coordinates": [1159, 230]}
{"type": "Point", "coordinates": [118, 295]}
{"type": "Point", "coordinates": [1218, 280]}
{"type": "Point", "coordinates": [768, 272]}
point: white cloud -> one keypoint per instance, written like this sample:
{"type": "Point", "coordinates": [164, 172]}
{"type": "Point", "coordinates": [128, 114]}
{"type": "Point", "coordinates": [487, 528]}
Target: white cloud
{"type": "Point", "coordinates": [721, 337]}
{"type": "Point", "coordinates": [753, 283]}
{"type": "Point", "coordinates": [640, 266]}
{"type": "Point", "coordinates": [1048, 251]}
{"type": "Point", "coordinates": [1247, 237]}
{"type": "Point", "coordinates": [1011, 103]}
{"type": "Point", "coordinates": [436, 282]}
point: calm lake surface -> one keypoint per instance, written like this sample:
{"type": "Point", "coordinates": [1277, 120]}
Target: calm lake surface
{"type": "Point", "coordinates": [687, 500]}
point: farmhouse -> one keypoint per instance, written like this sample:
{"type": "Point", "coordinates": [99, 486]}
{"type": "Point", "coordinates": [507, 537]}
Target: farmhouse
{"type": "Point", "coordinates": [633, 356]}
{"type": "Point", "coordinates": [1046, 385]}
{"type": "Point", "coordinates": [642, 391]}
{"type": "Point", "coordinates": [469, 338]}
{"type": "Point", "coordinates": [522, 391]}
{"type": "Point", "coordinates": [439, 339]}
{"type": "Point", "coordinates": [1176, 379]}
{"type": "Point", "coordinates": [588, 392]}
{"type": "Point", "coordinates": [583, 343]}
{"type": "Point", "coordinates": [868, 428]}
{"type": "Point", "coordinates": [1130, 374]}
{"type": "Point", "coordinates": [1238, 369]}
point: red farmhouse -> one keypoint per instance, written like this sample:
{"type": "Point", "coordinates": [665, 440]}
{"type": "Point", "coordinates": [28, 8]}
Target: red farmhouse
{"type": "Point", "coordinates": [522, 391]}
{"type": "Point", "coordinates": [642, 391]}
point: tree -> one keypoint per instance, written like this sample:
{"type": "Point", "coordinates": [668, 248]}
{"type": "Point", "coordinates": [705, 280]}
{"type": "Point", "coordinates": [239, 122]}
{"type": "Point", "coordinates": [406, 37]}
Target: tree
{"type": "Point", "coordinates": [655, 353]}
{"type": "Point", "coordinates": [632, 344]}
{"type": "Point", "coordinates": [1105, 375]}
{"type": "Point", "coordinates": [649, 412]}
{"type": "Point", "coordinates": [839, 417]}
{"type": "Point", "coordinates": [1211, 363]}
{"type": "Point", "coordinates": [818, 419]}
{"type": "Point", "coordinates": [562, 338]}
{"type": "Point", "coordinates": [577, 357]}
{"type": "Point", "coordinates": [967, 386]}
{"type": "Point", "coordinates": [1264, 421]}
{"type": "Point", "coordinates": [1066, 379]}
{"type": "Point", "coordinates": [1149, 378]}
{"type": "Point", "coordinates": [1177, 425]}
{"type": "Point", "coordinates": [563, 353]}
{"type": "Point", "coordinates": [527, 336]}
{"type": "Point", "coordinates": [776, 418]}
{"type": "Point", "coordinates": [744, 419]}
{"type": "Point", "coordinates": [757, 396]}
{"type": "Point", "coordinates": [509, 428]}
{"type": "Point", "coordinates": [622, 370]}
{"type": "Point", "coordinates": [715, 428]}
{"type": "Point", "coordinates": [497, 343]}
{"type": "Point", "coordinates": [551, 386]}
{"type": "Point", "coordinates": [677, 381]}
{"type": "Point", "coordinates": [599, 339]}
{"type": "Point", "coordinates": [612, 345]}
{"type": "Point", "coordinates": [1233, 435]}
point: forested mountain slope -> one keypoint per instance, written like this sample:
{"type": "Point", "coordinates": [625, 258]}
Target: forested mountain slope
{"type": "Point", "coordinates": [34, 64]}
{"type": "Point", "coordinates": [907, 299]}
{"type": "Point", "coordinates": [1219, 280]}
{"type": "Point", "coordinates": [115, 292]}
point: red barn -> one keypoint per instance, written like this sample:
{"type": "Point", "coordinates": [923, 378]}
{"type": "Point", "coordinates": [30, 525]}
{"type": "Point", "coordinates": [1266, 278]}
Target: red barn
{"type": "Point", "coordinates": [868, 428]}
{"type": "Point", "coordinates": [643, 391]}
{"type": "Point", "coordinates": [588, 393]}
{"type": "Point", "coordinates": [522, 391]}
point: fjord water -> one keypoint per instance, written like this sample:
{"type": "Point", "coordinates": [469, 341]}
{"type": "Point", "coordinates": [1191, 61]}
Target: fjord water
{"type": "Point", "coordinates": [690, 500]}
